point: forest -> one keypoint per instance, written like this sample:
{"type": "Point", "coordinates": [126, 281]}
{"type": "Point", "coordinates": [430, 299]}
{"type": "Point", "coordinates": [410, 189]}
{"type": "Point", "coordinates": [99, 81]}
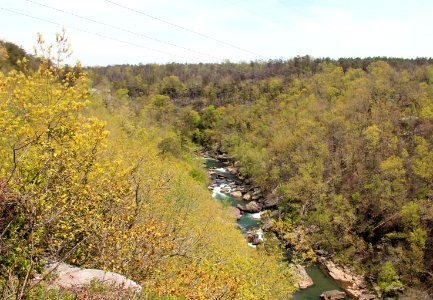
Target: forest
{"type": "Point", "coordinates": [99, 170]}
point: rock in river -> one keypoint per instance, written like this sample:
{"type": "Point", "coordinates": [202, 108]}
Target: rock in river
{"type": "Point", "coordinates": [232, 170]}
{"type": "Point", "coordinates": [304, 281]}
{"type": "Point", "coordinates": [236, 195]}
{"type": "Point", "coordinates": [333, 295]}
{"type": "Point", "coordinates": [225, 189]}
{"type": "Point", "coordinates": [247, 197]}
{"type": "Point", "coordinates": [252, 207]}
{"type": "Point", "coordinates": [234, 211]}
{"type": "Point", "coordinates": [353, 284]}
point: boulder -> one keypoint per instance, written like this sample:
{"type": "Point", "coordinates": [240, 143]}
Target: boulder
{"type": "Point", "coordinates": [236, 195]}
{"type": "Point", "coordinates": [234, 211]}
{"type": "Point", "coordinates": [333, 295]}
{"type": "Point", "coordinates": [225, 189]}
{"type": "Point", "coordinates": [247, 197]}
{"type": "Point", "coordinates": [255, 197]}
{"type": "Point", "coordinates": [304, 281]}
{"type": "Point", "coordinates": [242, 189]}
{"type": "Point", "coordinates": [67, 276]}
{"type": "Point", "coordinates": [232, 170]}
{"type": "Point", "coordinates": [252, 207]}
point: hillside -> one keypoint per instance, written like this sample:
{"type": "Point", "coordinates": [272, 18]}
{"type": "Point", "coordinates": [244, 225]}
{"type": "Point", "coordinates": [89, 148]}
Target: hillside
{"type": "Point", "coordinates": [96, 186]}
{"type": "Point", "coordinates": [345, 145]}
{"type": "Point", "coordinates": [100, 169]}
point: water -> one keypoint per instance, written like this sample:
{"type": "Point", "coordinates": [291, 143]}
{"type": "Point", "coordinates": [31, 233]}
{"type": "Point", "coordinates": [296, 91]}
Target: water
{"type": "Point", "coordinates": [322, 283]}
{"type": "Point", "coordinates": [247, 221]}
{"type": "Point", "coordinates": [250, 222]}
{"type": "Point", "coordinates": [212, 163]}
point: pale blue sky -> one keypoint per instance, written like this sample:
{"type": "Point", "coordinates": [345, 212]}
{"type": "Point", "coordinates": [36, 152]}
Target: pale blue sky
{"type": "Point", "coordinates": [271, 29]}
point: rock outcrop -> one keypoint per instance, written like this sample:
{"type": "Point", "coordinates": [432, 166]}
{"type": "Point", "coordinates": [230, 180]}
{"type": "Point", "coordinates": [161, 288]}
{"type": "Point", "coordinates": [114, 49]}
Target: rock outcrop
{"type": "Point", "coordinates": [304, 281]}
{"type": "Point", "coordinates": [353, 284]}
{"type": "Point", "coordinates": [67, 276]}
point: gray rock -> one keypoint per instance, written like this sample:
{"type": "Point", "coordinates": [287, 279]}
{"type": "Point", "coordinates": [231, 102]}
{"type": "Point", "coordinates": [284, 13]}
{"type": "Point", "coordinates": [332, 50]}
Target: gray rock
{"type": "Point", "coordinates": [333, 295]}
{"type": "Point", "coordinates": [68, 276]}
{"type": "Point", "coordinates": [225, 189]}
{"type": "Point", "coordinates": [304, 281]}
{"type": "Point", "coordinates": [252, 207]}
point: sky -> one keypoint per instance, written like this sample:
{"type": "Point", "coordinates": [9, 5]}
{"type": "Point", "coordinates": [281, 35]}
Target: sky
{"type": "Point", "coordinates": [108, 32]}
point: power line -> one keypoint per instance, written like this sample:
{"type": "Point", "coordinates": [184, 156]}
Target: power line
{"type": "Point", "coordinates": [118, 40]}
{"type": "Point", "coordinates": [95, 34]}
{"type": "Point", "coordinates": [124, 30]}
{"type": "Point", "coordinates": [186, 29]}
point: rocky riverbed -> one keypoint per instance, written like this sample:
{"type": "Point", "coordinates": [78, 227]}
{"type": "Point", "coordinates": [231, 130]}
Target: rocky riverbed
{"type": "Point", "coordinates": [249, 203]}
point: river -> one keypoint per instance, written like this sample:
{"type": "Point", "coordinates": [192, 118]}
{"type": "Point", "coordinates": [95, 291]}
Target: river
{"type": "Point", "coordinates": [251, 223]}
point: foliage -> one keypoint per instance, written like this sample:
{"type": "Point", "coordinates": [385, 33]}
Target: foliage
{"type": "Point", "coordinates": [346, 145]}
{"type": "Point", "coordinates": [388, 280]}
{"type": "Point", "coordinates": [89, 179]}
